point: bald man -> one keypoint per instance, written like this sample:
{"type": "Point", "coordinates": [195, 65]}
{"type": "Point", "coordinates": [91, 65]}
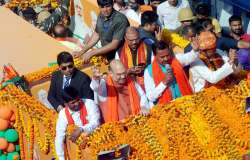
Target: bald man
{"type": "Point", "coordinates": [118, 95]}
{"type": "Point", "coordinates": [61, 34]}
{"type": "Point", "coordinates": [135, 54]}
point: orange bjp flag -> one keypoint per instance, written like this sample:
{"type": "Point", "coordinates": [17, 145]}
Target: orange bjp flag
{"type": "Point", "coordinates": [9, 71]}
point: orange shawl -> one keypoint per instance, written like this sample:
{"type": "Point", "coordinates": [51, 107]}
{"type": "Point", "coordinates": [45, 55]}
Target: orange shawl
{"type": "Point", "coordinates": [83, 114]}
{"type": "Point", "coordinates": [112, 100]}
{"type": "Point", "coordinates": [71, 8]}
{"type": "Point", "coordinates": [126, 55]}
{"type": "Point", "coordinates": [180, 76]}
{"type": "Point", "coordinates": [214, 63]}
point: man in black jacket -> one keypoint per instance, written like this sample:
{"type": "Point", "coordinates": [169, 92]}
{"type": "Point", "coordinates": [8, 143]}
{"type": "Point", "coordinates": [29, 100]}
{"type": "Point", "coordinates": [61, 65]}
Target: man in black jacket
{"type": "Point", "coordinates": [67, 75]}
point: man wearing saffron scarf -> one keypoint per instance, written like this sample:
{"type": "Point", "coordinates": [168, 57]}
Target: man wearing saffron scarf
{"type": "Point", "coordinates": [118, 95]}
{"type": "Point", "coordinates": [165, 78]}
{"type": "Point", "coordinates": [135, 54]}
{"type": "Point", "coordinates": [80, 112]}
{"type": "Point", "coordinates": [213, 65]}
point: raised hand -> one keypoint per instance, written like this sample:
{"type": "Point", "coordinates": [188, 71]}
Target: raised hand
{"type": "Point", "coordinates": [76, 133]}
{"type": "Point", "coordinates": [158, 33]}
{"type": "Point", "coordinates": [76, 54]}
{"type": "Point", "coordinates": [232, 56]}
{"type": "Point", "coordinates": [87, 56]}
{"type": "Point", "coordinates": [195, 44]}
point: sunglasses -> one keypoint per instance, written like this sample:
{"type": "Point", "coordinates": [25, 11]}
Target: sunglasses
{"type": "Point", "coordinates": [68, 66]}
{"type": "Point", "coordinates": [74, 101]}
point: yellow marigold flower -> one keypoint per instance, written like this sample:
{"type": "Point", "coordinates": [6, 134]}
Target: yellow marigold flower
{"type": "Point", "coordinates": [174, 38]}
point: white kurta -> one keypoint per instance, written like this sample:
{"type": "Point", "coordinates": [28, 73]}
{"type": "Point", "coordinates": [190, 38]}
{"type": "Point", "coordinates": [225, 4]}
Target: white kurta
{"type": "Point", "coordinates": [93, 117]}
{"type": "Point", "coordinates": [153, 92]}
{"type": "Point", "coordinates": [201, 73]}
{"type": "Point", "coordinates": [100, 91]}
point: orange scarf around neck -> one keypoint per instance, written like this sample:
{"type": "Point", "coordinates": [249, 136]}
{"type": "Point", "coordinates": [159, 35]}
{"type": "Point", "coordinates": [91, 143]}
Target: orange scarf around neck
{"type": "Point", "coordinates": [126, 55]}
{"type": "Point", "coordinates": [112, 100]}
{"type": "Point", "coordinates": [83, 114]}
{"type": "Point", "coordinates": [180, 76]}
{"type": "Point", "coordinates": [215, 62]}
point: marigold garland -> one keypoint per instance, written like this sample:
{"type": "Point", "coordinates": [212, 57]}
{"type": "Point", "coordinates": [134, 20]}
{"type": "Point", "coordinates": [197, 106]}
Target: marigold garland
{"type": "Point", "coordinates": [21, 144]}
{"type": "Point", "coordinates": [20, 135]}
{"type": "Point", "coordinates": [31, 142]}
{"type": "Point", "coordinates": [46, 72]}
{"type": "Point", "coordinates": [42, 141]}
{"type": "Point", "coordinates": [29, 110]}
{"type": "Point", "coordinates": [209, 125]}
{"type": "Point", "coordinates": [23, 4]}
{"type": "Point", "coordinates": [189, 127]}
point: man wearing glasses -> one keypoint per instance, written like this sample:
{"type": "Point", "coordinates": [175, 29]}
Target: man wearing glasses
{"type": "Point", "coordinates": [67, 75]}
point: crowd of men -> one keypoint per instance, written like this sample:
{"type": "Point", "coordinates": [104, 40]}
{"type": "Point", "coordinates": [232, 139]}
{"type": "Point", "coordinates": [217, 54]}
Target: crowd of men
{"type": "Point", "coordinates": [144, 70]}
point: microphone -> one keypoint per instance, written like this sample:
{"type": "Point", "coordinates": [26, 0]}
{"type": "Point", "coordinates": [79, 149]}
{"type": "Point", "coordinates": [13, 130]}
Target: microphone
{"type": "Point", "coordinates": [168, 68]}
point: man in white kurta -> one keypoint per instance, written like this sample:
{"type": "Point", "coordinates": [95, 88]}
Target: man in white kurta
{"type": "Point", "coordinates": [202, 74]}
{"type": "Point", "coordinates": [92, 121]}
{"type": "Point", "coordinates": [154, 92]}
{"type": "Point", "coordinates": [121, 83]}
{"type": "Point", "coordinates": [221, 66]}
